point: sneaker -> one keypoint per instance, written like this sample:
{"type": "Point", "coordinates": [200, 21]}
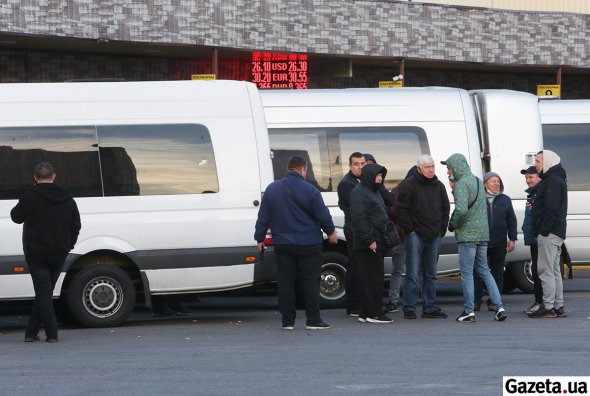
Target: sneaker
{"type": "Point", "coordinates": [352, 312]}
{"type": "Point", "coordinates": [288, 326]}
{"type": "Point", "coordinates": [379, 319]}
{"type": "Point", "coordinates": [410, 315]}
{"type": "Point", "coordinates": [434, 315]}
{"type": "Point", "coordinates": [477, 307]}
{"type": "Point", "coordinates": [362, 320]}
{"type": "Point", "coordinates": [544, 313]}
{"type": "Point", "coordinates": [533, 308]}
{"type": "Point", "coordinates": [560, 312]}
{"type": "Point", "coordinates": [500, 315]}
{"type": "Point", "coordinates": [32, 339]}
{"type": "Point", "coordinates": [391, 307]}
{"type": "Point", "coordinates": [317, 326]}
{"type": "Point", "coordinates": [466, 317]}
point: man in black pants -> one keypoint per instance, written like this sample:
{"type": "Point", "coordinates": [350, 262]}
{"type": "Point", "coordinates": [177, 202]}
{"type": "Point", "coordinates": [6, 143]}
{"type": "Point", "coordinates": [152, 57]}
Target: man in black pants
{"type": "Point", "coordinates": [51, 227]}
{"type": "Point", "coordinates": [298, 215]}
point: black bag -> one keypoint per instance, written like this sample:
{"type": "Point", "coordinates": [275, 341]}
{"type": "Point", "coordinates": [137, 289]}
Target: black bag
{"type": "Point", "coordinates": [389, 236]}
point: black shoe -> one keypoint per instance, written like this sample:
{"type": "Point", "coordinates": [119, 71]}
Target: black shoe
{"type": "Point", "coordinates": [410, 315]}
{"type": "Point", "coordinates": [434, 315]}
{"type": "Point", "coordinates": [466, 317]}
{"type": "Point", "coordinates": [391, 307]}
{"type": "Point", "coordinates": [500, 315]}
{"type": "Point", "coordinates": [379, 319]}
{"type": "Point", "coordinates": [288, 326]}
{"type": "Point", "coordinates": [51, 339]}
{"type": "Point", "coordinates": [32, 339]}
{"type": "Point", "coordinates": [317, 326]}
{"type": "Point", "coordinates": [352, 312]}
{"type": "Point", "coordinates": [560, 312]}
{"type": "Point", "coordinates": [544, 313]}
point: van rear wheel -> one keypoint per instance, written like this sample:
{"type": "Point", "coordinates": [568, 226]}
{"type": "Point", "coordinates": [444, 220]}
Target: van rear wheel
{"type": "Point", "coordinates": [101, 296]}
{"type": "Point", "coordinates": [332, 281]}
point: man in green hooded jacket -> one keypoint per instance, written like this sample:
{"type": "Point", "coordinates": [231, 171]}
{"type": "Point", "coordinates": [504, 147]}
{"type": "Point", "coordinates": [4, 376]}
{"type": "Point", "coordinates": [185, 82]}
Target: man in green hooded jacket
{"type": "Point", "coordinates": [470, 220]}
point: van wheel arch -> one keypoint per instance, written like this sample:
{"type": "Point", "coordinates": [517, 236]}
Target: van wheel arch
{"type": "Point", "coordinates": [101, 290]}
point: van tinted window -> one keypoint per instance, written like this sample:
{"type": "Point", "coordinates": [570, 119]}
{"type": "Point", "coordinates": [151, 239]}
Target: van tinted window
{"type": "Point", "coordinates": [327, 151]}
{"type": "Point", "coordinates": [157, 159]}
{"type": "Point", "coordinates": [133, 159]}
{"type": "Point", "coordinates": [72, 150]}
{"type": "Point", "coordinates": [572, 143]}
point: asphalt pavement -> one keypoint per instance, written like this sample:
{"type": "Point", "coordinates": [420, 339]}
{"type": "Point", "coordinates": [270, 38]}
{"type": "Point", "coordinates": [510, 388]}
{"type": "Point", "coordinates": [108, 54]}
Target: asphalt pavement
{"type": "Point", "coordinates": [234, 345]}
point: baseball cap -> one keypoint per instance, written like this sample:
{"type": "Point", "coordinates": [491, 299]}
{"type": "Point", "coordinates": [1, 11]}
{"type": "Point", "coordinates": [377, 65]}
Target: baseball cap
{"type": "Point", "coordinates": [530, 170]}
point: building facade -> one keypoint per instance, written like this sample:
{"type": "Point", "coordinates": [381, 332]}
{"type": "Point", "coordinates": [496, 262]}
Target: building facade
{"type": "Point", "coordinates": [348, 43]}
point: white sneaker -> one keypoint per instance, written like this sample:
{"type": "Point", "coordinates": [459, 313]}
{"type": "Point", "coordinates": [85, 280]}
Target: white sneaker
{"type": "Point", "coordinates": [466, 317]}
{"type": "Point", "coordinates": [533, 308]}
{"type": "Point", "coordinates": [500, 315]}
{"type": "Point", "coordinates": [379, 319]}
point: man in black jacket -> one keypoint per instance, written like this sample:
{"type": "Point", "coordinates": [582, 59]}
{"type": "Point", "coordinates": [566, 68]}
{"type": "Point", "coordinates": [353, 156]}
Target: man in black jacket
{"type": "Point", "coordinates": [423, 212]}
{"type": "Point", "coordinates": [549, 214]}
{"type": "Point", "coordinates": [51, 227]}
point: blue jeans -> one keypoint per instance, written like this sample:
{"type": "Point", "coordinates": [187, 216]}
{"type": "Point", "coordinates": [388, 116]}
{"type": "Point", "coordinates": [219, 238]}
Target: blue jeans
{"type": "Point", "coordinates": [420, 254]}
{"type": "Point", "coordinates": [398, 259]}
{"type": "Point", "coordinates": [474, 256]}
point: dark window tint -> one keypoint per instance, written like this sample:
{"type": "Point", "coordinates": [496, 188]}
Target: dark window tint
{"type": "Point", "coordinates": [327, 151]}
{"type": "Point", "coordinates": [572, 143]}
{"type": "Point", "coordinates": [157, 159]}
{"type": "Point", "coordinates": [72, 150]}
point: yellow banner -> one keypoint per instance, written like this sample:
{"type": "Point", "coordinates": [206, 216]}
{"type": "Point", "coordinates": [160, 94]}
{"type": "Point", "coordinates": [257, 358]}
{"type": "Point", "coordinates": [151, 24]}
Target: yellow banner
{"type": "Point", "coordinates": [202, 76]}
{"type": "Point", "coordinates": [391, 84]}
{"type": "Point", "coordinates": [548, 90]}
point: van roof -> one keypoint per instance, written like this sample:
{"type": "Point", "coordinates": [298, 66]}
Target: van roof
{"type": "Point", "coordinates": [75, 102]}
{"type": "Point", "coordinates": [565, 111]}
{"type": "Point", "coordinates": [364, 105]}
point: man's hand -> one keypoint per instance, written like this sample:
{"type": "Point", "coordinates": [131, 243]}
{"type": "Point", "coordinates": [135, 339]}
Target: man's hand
{"type": "Point", "coordinates": [260, 245]}
{"type": "Point", "coordinates": [333, 237]}
{"type": "Point", "coordinates": [510, 246]}
{"type": "Point", "coordinates": [373, 247]}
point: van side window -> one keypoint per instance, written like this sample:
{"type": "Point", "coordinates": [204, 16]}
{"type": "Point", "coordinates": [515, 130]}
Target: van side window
{"type": "Point", "coordinates": [327, 151]}
{"type": "Point", "coordinates": [572, 143]}
{"type": "Point", "coordinates": [157, 159]}
{"type": "Point", "coordinates": [72, 150]}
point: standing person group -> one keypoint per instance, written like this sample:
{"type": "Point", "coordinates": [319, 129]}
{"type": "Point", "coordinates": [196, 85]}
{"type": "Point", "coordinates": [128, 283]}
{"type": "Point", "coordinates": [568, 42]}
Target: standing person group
{"type": "Point", "coordinates": [51, 227]}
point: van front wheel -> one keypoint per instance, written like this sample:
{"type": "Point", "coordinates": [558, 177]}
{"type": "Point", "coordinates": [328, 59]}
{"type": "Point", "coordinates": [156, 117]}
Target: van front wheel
{"type": "Point", "coordinates": [332, 281]}
{"type": "Point", "coordinates": [522, 274]}
{"type": "Point", "coordinates": [101, 296]}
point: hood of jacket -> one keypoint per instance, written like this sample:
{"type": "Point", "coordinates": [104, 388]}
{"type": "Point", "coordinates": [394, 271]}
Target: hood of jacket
{"type": "Point", "coordinates": [550, 159]}
{"type": "Point", "coordinates": [51, 192]}
{"type": "Point", "coordinates": [458, 164]}
{"type": "Point", "coordinates": [368, 174]}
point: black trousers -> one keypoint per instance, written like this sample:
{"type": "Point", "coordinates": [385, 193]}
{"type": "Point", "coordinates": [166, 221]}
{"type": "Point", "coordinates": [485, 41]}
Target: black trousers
{"type": "Point", "coordinates": [536, 280]}
{"type": "Point", "coordinates": [301, 265]}
{"type": "Point", "coordinates": [370, 265]}
{"type": "Point", "coordinates": [496, 260]}
{"type": "Point", "coordinates": [352, 274]}
{"type": "Point", "coordinates": [44, 274]}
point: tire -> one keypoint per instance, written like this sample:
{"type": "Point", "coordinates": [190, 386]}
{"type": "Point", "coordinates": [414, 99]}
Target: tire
{"type": "Point", "coordinates": [101, 295]}
{"type": "Point", "coordinates": [332, 281]}
{"type": "Point", "coordinates": [521, 273]}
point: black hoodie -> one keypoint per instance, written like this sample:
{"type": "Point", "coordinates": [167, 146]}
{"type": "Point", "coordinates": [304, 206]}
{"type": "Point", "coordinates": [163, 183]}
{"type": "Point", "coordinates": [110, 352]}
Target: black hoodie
{"type": "Point", "coordinates": [367, 208]}
{"type": "Point", "coordinates": [549, 210]}
{"type": "Point", "coordinates": [51, 221]}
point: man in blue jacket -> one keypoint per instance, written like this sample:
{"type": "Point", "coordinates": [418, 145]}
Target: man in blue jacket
{"type": "Point", "coordinates": [298, 215]}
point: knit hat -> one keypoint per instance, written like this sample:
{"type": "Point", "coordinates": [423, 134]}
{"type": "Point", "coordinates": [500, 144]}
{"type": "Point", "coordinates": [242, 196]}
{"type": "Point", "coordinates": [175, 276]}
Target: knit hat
{"type": "Point", "coordinates": [489, 175]}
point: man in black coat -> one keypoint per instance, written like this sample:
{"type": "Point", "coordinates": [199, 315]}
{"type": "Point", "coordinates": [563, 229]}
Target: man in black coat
{"type": "Point", "coordinates": [549, 214]}
{"type": "Point", "coordinates": [423, 212]}
{"type": "Point", "coordinates": [51, 227]}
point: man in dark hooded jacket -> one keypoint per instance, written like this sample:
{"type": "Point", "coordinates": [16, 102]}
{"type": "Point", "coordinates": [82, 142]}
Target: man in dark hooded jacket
{"type": "Point", "coordinates": [549, 214]}
{"type": "Point", "coordinates": [368, 217]}
{"type": "Point", "coordinates": [51, 227]}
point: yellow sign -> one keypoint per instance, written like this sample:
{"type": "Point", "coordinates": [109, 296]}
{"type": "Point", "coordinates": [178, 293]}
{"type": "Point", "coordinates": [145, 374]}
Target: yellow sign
{"type": "Point", "coordinates": [391, 84]}
{"type": "Point", "coordinates": [202, 77]}
{"type": "Point", "coordinates": [548, 90]}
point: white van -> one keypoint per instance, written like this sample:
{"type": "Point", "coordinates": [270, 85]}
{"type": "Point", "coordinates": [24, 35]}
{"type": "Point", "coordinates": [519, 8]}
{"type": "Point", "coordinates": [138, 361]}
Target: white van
{"type": "Point", "coordinates": [167, 176]}
{"type": "Point", "coordinates": [566, 130]}
{"type": "Point", "coordinates": [495, 129]}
